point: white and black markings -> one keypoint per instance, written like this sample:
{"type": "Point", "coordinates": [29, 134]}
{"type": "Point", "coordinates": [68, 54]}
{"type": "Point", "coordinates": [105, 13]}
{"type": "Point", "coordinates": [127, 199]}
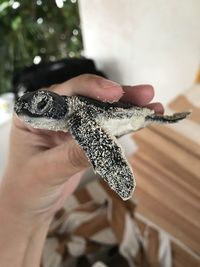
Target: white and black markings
{"type": "Point", "coordinates": [95, 126]}
{"type": "Point", "coordinates": [104, 153]}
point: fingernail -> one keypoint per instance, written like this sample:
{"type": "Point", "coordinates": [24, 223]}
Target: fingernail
{"type": "Point", "coordinates": [114, 90]}
{"type": "Point", "coordinates": [112, 98]}
{"type": "Point", "coordinates": [105, 83]}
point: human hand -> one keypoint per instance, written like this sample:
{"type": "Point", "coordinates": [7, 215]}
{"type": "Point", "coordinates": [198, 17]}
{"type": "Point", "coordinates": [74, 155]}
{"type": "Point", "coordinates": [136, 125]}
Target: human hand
{"type": "Point", "coordinates": [45, 167]}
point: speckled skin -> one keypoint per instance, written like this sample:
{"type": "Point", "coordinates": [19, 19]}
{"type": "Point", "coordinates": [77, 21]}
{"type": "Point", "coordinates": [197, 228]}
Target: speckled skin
{"type": "Point", "coordinates": [94, 125]}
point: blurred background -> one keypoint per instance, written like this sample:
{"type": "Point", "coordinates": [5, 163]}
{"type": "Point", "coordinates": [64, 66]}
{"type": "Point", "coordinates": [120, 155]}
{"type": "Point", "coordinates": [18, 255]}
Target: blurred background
{"type": "Point", "coordinates": [33, 32]}
{"type": "Point", "coordinates": [131, 42]}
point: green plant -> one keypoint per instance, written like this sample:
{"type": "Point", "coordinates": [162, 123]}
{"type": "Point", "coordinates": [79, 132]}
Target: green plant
{"type": "Point", "coordinates": [34, 31]}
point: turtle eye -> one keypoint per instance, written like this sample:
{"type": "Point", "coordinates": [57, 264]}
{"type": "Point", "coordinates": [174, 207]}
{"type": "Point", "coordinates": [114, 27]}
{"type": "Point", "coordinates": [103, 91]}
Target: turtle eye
{"type": "Point", "coordinates": [41, 103]}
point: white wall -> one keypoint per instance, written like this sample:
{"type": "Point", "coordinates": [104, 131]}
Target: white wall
{"type": "Point", "coordinates": [146, 41]}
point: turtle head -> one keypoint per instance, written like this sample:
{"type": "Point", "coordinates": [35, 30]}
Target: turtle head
{"type": "Point", "coordinates": [41, 108]}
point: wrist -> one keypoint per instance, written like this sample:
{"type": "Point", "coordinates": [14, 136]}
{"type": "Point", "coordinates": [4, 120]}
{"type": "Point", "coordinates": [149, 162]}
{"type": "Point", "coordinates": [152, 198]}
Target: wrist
{"type": "Point", "coordinates": [14, 212]}
{"type": "Point", "coordinates": [24, 207]}
{"type": "Point", "coordinates": [22, 220]}
{"type": "Point", "coordinates": [21, 242]}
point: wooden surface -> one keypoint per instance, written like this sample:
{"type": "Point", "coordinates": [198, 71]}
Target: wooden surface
{"type": "Point", "coordinates": [182, 258]}
{"type": "Point", "coordinates": [167, 171]}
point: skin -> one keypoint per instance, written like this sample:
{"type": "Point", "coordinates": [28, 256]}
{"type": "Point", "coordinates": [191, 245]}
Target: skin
{"type": "Point", "coordinates": [44, 168]}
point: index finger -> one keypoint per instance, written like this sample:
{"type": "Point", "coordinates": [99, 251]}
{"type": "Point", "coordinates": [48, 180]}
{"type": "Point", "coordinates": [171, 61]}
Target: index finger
{"type": "Point", "coordinates": [92, 86]}
{"type": "Point", "coordinates": [139, 95]}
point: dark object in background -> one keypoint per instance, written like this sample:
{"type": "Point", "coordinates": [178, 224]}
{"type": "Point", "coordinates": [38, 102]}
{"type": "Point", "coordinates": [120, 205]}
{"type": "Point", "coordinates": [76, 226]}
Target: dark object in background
{"type": "Point", "coordinates": [45, 74]}
{"type": "Point", "coordinates": [110, 257]}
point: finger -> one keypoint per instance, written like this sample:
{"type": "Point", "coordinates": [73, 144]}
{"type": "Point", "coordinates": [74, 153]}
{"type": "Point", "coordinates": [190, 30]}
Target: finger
{"type": "Point", "coordinates": [63, 161]}
{"type": "Point", "coordinates": [91, 86]}
{"type": "Point", "coordinates": [157, 107]}
{"type": "Point", "coordinates": [139, 95]}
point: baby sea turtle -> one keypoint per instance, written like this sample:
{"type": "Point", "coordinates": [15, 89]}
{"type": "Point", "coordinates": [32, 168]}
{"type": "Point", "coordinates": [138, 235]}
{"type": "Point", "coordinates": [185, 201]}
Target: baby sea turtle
{"type": "Point", "coordinates": [95, 126]}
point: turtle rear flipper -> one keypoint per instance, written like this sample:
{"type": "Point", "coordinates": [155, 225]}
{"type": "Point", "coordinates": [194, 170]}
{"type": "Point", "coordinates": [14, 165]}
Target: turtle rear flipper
{"type": "Point", "coordinates": [157, 118]}
{"type": "Point", "coordinates": [105, 155]}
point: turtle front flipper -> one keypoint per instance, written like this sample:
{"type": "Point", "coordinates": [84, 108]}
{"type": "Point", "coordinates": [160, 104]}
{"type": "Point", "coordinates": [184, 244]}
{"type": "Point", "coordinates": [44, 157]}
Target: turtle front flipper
{"type": "Point", "coordinates": [104, 153]}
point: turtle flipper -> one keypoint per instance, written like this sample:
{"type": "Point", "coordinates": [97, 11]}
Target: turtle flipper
{"type": "Point", "coordinates": [105, 155]}
{"type": "Point", "coordinates": [157, 118]}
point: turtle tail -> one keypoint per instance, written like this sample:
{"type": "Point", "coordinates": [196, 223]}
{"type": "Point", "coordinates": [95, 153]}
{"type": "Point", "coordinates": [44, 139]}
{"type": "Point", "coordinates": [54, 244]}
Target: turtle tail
{"type": "Point", "coordinates": [158, 118]}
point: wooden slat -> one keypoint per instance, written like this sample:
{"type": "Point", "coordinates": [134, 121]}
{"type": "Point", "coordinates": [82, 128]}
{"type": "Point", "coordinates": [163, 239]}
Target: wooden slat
{"type": "Point", "coordinates": [182, 177]}
{"type": "Point", "coordinates": [178, 139]}
{"type": "Point", "coordinates": [170, 156]}
{"type": "Point", "coordinates": [153, 209]}
{"type": "Point", "coordinates": [182, 258]}
{"type": "Point", "coordinates": [167, 170]}
{"type": "Point", "coordinates": [167, 177]}
{"type": "Point", "coordinates": [151, 180]}
{"type": "Point", "coordinates": [182, 103]}
{"type": "Point", "coordinates": [185, 213]}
